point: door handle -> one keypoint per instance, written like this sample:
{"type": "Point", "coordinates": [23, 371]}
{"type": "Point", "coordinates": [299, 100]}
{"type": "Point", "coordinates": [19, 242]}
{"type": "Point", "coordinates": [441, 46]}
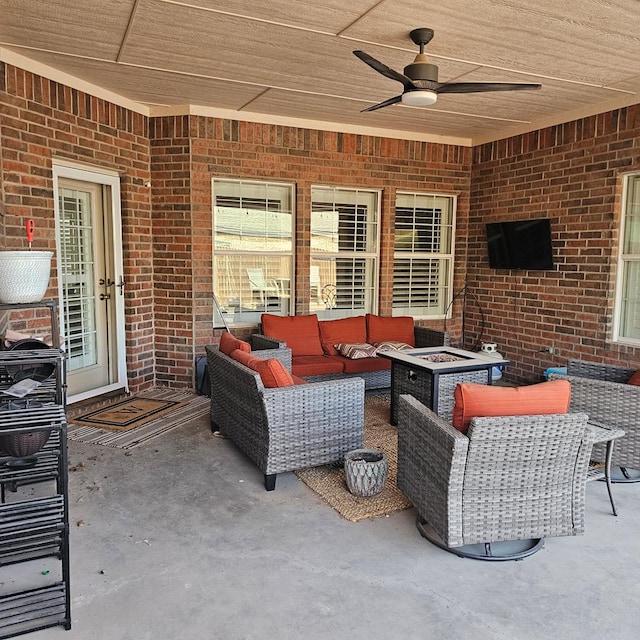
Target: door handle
{"type": "Point", "coordinates": [105, 296]}
{"type": "Point", "coordinates": [121, 284]}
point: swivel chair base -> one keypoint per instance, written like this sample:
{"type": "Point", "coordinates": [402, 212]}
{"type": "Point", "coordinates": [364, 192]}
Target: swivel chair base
{"type": "Point", "coordinates": [494, 551]}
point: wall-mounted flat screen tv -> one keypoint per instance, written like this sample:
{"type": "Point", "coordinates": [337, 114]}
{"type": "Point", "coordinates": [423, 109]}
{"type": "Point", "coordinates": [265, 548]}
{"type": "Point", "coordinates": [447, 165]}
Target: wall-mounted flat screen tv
{"type": "Point", "coordinates": [520, 244]}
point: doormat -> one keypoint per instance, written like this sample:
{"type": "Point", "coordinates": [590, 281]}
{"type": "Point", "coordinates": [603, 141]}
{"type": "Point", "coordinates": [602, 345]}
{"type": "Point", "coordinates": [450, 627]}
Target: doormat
{"type": "Point", "coordinates": [185, 408]}
{"type": "Point", "coordinates": [127, 414]}
{"type": "Point", "coordinates": [329, 483]}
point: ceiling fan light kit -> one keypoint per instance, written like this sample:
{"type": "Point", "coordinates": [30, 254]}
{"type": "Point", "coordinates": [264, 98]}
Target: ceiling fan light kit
{"type": "Point", "coordinates": [420, 78]}
{"type": "Point", "coordinates": [419, 98]}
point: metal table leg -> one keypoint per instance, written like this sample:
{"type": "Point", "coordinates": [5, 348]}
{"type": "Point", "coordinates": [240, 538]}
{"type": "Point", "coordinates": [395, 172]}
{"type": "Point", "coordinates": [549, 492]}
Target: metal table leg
{"type": "Point", "coordinates": [607, 473]}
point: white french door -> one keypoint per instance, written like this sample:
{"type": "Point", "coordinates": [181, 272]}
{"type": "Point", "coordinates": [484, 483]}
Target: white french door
{"type": "Point", "coordinates": [91, 284]}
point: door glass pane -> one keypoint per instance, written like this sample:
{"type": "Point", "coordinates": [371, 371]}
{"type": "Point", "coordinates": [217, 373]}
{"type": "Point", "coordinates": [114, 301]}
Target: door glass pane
{"type": "Point", "coordinates": [78, 268]}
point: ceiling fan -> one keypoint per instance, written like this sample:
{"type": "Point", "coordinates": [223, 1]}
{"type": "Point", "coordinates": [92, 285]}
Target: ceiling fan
{"type": "Point", "coordinates": [420, 78]}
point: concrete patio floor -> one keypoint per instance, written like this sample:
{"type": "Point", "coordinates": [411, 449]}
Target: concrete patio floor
{"type": "Point", "coordinates": [179, 539]}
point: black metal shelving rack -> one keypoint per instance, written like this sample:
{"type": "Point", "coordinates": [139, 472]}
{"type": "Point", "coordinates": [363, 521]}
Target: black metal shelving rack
{"type": "Point", "coordinates": [35, 526]}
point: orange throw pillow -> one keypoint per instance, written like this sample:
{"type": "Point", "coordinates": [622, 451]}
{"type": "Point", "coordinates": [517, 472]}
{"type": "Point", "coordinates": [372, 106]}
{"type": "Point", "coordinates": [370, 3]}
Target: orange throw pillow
{"type": "Point", "coordinates": [301, 333]}
{"type": "Point", "coordinates": [229, 343]}
{"type": "Point", "coordinates": [349, 330]}
{"type": "Point", "coordinates": [479, 401]}
{"type": "Point", "coordinates": [398, 329]}
{"type": "Point", "coordinates": [272, 372]}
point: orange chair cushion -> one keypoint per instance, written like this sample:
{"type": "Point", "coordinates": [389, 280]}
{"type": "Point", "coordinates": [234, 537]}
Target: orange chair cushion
{"type": "Point", "coordinates": [301, 333]}
{"type": "Point", "coordinates": [398, 329]}
{"type": "Point", "coordinates": [635, 378]}
{"type": "Point", "coordinates": [229, 343]}
{"type": "Point", "coordinates": [272, 372]}
{"type": "Point", "coordinates": [479, 401]}
{"type": "Point", "coordinates": [350, 330]}
{"type": "Point", "coordinates": [244, 357]}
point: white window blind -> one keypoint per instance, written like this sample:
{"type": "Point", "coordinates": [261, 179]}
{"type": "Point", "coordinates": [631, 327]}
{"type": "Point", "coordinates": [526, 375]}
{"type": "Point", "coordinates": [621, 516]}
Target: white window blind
{"type": "Point", "coordinates": [423, 254]}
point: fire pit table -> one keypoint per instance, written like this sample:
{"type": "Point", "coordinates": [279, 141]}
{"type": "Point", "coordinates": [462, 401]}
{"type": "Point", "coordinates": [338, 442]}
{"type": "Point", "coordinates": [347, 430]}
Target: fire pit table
{"type": "Point", "coordinates": [431, 374]}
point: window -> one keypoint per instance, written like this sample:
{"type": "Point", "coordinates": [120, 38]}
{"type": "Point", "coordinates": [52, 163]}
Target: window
{"type": "Point", "coordinates": [423, 254]}
{"type": "Point", "coordinates": [627, 310]}
{"type": "Point", "coordinates": [252, 248]}
{"type": "Point", "coordinates": [344, 251]}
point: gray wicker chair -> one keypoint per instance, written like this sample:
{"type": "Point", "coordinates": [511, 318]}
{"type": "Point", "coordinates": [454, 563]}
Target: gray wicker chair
{"type": "Point", "coordinates": [287, 428]}
{"type": "Point", "coordinates": [496, 492]}
{"type": "Point", "coordinates": [600, 390]}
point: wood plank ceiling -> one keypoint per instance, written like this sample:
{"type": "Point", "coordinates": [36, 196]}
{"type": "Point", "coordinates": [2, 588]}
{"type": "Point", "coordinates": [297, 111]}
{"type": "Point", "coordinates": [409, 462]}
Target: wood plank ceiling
{"type": "Point", "coordinates": [291, 61]}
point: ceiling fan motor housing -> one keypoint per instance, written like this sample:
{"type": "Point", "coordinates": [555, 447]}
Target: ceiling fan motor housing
{"type": "Point", "coordinates": [420, 69]}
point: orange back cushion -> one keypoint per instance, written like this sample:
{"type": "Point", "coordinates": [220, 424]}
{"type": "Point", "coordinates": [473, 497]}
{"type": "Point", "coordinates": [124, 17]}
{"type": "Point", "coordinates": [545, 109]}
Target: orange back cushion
{"type": "Point", "coordinates": [272, 372]}
{"type": "Point", "coordinates": [229, 343]}
{"type": "Point", "coordinates": [349, 330]}
{"type": "Point", "coordinates": [301, 333]}
{"type": "Point", "coordinates": [635, 378]}
{"type": "Point", "coordinates": [479, 401]}
{"type": "Point", "coordinates": [399, 329]}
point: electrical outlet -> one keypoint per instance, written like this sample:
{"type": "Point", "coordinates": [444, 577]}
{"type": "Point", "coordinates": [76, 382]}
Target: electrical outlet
{"type": "Point", "coordinates": [550, 350]}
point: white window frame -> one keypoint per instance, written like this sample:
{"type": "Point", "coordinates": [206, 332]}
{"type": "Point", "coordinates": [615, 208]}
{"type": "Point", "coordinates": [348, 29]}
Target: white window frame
{"type": "Point", "coordinates": [325, 302]}
{"type": "Point", "coordinates": [448, 256]}
{"type": "Point", "coordinates": [625, 260]}
{"type": "Point", "coordinates": [275, 292]}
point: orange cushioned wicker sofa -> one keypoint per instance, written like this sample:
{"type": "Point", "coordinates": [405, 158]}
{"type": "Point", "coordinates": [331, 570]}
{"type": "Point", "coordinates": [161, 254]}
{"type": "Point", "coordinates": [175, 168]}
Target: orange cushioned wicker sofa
{"type": "Point", "coordinates": [324, 349]}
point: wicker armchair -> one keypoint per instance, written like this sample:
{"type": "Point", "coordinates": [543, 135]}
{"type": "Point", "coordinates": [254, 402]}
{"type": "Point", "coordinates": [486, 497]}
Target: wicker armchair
{"type": "Point", "coordinates": [496, 492]}
{"type": "Point", "coordinates": [600, 390]}
{"type": "Point", "coordinates": [289, 428]}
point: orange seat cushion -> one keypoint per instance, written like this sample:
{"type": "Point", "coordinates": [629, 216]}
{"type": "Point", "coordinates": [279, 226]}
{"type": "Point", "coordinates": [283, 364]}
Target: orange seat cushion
{"type": "Point", "coordinates": [315, 366]}
{"type": "Point", "coordinates": [362, 365]}
{"type": "Point", "coordinates": [301, 333]}
{"type": "Point", "coordinates": [478, 401]}
{"type": "Point", "coordinates": [272, 372]}
{"type": "Point", "coordinates": [349, 330]}
{"type": "Point", "coordinates": [398, 329]}
{"type": "Point", "coordinates": [229, 343]}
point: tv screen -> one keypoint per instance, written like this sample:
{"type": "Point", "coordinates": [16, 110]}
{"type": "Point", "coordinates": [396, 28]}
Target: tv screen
{"type": "Point", "coordinates": [520, 244]}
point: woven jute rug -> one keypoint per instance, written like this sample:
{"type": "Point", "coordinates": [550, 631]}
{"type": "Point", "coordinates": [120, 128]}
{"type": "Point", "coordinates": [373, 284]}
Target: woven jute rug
{"type": "Point", "coordinates": [172, 409]}
{"type": "Point", "coordinates": [329, 483]}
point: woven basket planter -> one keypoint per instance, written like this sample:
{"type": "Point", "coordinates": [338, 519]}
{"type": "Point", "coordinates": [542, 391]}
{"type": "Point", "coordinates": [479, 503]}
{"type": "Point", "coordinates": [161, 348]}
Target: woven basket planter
{"type": "Point", "coordinates": [24, 276]}
{"type": "Point", "coordinates": [365, 472]}
{"type": "Point", "coordinates": [26, 443]}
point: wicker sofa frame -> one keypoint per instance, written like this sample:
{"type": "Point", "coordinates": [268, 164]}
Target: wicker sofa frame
{"type": "Point", "coordinates": [512, 478]}
{"type": "Point", "coordinates": [424, 337]}
{"type": "Point", "coordinates": [288, 428]}
{"type": "Point", "coordinates": [600, 390]}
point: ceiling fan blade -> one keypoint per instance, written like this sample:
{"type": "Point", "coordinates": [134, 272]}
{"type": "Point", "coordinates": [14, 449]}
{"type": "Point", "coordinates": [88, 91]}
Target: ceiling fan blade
{"type": "Point", "coordinates": [386, 103]}
{"type": "Point", "coordinates": [478, 87]}
{"type": "Point", "coordinates": [384, 70]}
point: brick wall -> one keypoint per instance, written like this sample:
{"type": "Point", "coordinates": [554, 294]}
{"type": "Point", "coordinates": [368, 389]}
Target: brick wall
{"type": "Point", "coordinates": [570, 173]}
{"type": "Point", "coordinates": [41, 119]}
{"type": "Point", "coordinates": [174, 242]}
{"type": "Point", "coordinates": [230, 149]}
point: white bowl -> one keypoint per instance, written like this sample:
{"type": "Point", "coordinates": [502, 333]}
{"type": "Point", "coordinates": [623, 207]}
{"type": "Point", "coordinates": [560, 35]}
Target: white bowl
{"type": "Point", "coordinates": [24, 275]}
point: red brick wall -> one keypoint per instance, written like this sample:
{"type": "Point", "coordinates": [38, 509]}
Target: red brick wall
{"type": "Point", "coordinates": [570, 173]}
{"type": "Point", "coordinates": [174, 239]}
{"type": "Point", "coordinates": [230, 149]}
{"type": "Point", "coordinates": [41, 119]}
